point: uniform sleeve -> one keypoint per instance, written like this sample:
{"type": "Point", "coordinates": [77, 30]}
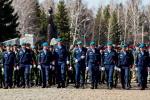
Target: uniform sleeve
{"type": "Point", "coordinates": [136, 59]}
{"type": "Point", "coordinates": [18, 57]}
{"type": "Point", "coordinates": [34, 58]}
{"type": "Point", "coordinates": [116, 58]}
{"type": "Point", "coordinates": [99, 57]}
{"type": "Point", "coordinates": [39, 57]}
{"type": "Point", "coordinates": [74, 54]}
{"type": "Point", "coordinates": [118, 64]}
{"type": "Point", "coordinates": [102, 59]}
{"type": "Point", "coordinates": [15, 59]}
{"type": "Point", "coordinates": [3, 59]}
{"type": "Point", "coordinates": [67, 54]}
{"type": "Point", "coordinates": [87, 58]}
{"type": "Point", "coordinates": [149, 59]}
{"type": "Point", "coordinates": [132, 58]}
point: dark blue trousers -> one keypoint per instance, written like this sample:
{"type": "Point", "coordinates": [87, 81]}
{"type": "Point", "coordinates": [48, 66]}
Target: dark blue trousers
{"type": "Point", "coordinates": [61, 72]}
{"type": "Point", "coordinates": [8, 73]}
{"type": "Point", "coordinates": [45, 74]}
{"type": "Point", "coordinates": [25, 72]}
{"type": "Point", "coordinates": [80, 73]}
{"type": "Point", "coordinates": [125, 76]}
{"type": "Point", "coordinates": [94, 72]}
{"type": "Point", "coordinates": [109, 73]}
{"type": "Point", "coordinates": [142, 76]}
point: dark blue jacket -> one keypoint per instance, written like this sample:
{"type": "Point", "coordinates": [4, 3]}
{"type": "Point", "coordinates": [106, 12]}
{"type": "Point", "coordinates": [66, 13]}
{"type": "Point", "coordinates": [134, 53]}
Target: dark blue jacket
{"type": "Point", "coordinates": [110, 58]}
{"type": "Point", "coordinates": [125, 59]}
{"type": "Point", "coordinates": [93, 57]}
{"type": "Point", "coordinates": [142, 60]}
{"type": "Point", "coordinates": [45, 59]}
{"type": "Point", "coordinates": [77, 54]}
{"type": "Point", "coordinates": [9, 58]}
{"type": "Point", "coordinates": [25, 57]}
{"type": "Point", "coordinates": [61, 54]}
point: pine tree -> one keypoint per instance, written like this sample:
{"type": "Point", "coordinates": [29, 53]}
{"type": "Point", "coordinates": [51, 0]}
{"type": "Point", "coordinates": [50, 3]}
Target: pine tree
{"type": "Point", "coordinates": [62, 22]}
{"type": "Point", "coordinates": [42, 25]}
{"type": "Point", "coordinates": [105, 24]}
{"type": "Point", "coordinates": [115, 29]}
{"type": "Point", "coordinates": [8, 20]}
{"type": "Point", "coordinates": [101, 26]}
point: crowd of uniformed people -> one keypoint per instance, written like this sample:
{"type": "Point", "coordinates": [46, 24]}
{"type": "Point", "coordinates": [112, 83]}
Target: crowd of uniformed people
{"type": "Point", "coordinates": [23, 66]}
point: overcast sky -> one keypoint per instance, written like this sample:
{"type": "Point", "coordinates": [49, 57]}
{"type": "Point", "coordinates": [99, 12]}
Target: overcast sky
{"type": "Point", "coordinates": [94, 4]}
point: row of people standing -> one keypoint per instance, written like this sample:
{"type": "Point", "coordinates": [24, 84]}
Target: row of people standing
{"type": "Point", "coordinates": [93, 60]}
{"type": "Point", "coordinates": [58, 61]}
{"type": "Point", "coordinates": [22, 60]}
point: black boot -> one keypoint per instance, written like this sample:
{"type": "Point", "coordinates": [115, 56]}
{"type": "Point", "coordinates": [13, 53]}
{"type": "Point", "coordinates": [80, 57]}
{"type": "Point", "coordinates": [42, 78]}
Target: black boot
{"type": "Point", "coordinates": [82, 86]}
{"type": "Point", "coordinates": [127, 87]}
{"type": "Point", "coordinates": [92, 86]}
{"type": "Point", "coordinates": [96, 86]}
{"type": "Point", "coordinates": [58, 85]}
{"type": "Point", "coordinates": [110, 86]}
{"type": "Point", "coordinates": [63, 85]}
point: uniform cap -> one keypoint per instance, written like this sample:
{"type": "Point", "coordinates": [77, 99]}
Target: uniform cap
{"type": "Point", "coordinates": [45, 44]}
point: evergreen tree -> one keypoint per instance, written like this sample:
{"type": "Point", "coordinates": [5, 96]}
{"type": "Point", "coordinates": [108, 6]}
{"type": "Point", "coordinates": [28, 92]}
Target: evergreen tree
{"type": "Point", "coordinates": [115, 29]}
{"type": "Point", "coordinates": [101, 26]}
{"type": "Point", "coordinates": [62, 22]}
{"type": "Point", "coordinates": [8, 20]}
{"type": "Point", "coordinates": [105, 24]}
{"type": "Point", "coordinates": [42, 24]}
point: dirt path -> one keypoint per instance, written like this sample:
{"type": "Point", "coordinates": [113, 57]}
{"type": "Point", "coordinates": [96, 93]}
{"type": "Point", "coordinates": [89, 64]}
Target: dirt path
{"type": "Point", "coordinates": [73, 94]}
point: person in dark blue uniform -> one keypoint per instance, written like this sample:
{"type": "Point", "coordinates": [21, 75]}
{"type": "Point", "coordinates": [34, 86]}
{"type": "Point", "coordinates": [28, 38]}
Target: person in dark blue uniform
{"type": "Point", "coordinates": [16, 68]}
{"type": "Point", "coordinates": [80, 66]}
{"type": "Point", "coordinates": [125, 62]}
{"type": "Point", "coordinates": [1, 66]}
{"type": "Point", "coordinates": [9, 63]}
{"type": "Point", "coordinates": [109, 61]}
{"type": "Point", "coordinates": [45, 60]}
{"type": "Point", "coordinates": [93, 60]}
{"type": "Point", "coordinates": [142, 62]}
{"type": "Point", "coordinates": [25, 62]}
{"type": "Point", "coordinates": [61, 59]}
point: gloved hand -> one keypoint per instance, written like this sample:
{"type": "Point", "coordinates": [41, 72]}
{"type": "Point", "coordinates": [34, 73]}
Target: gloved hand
{"type": "Point", "coordinates": [76, 60]}
{"type": "Point", "coordinates": [87, 68]}
{"type": "Point", "coordinates": [31, 66]}
{"type": "Point", "coordinates": [67, 62]}
{"type": "Point", "coordinates": [2, 70]}
{"type": "Point", "coordinates": [17, 67]}
{"type": "Point", "coordinates": [39, 67]}
{"type": "Point", "coordinates": [136, 69]}
{"type": "Point", "coordinates": [34, 66]}
{"type": "Point", "coordinates": [116, 68]}
{"type": "Point", "coordinates": [119, 69]}
{"type": "Point", "coordinates": [70, 68]}
{"type": "Point", "coordinates": [82, 57]}
{"type": "Point", "coordinates": [50, 66]}
{"type": "Point", "coordinates": [103, 68]}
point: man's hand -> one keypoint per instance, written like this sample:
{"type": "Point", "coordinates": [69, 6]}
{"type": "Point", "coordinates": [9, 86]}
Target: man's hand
{"type": "Point", "coordinates": [70, 68]}
{"type": "Point", "coordinates": [39, 67]}
{"type": "Point", "coordinates": [82, 57]}
{"type": "Point", "coordinates": [50, 66]}
{"type": "Point", "coordinates": [67, 62]}
{"type": "Point", "coordinates": [103, 68]}
{"type": "Point", "coordinates": [76, 60]}
{"type": "Point", "coordinates": [87, 68]}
